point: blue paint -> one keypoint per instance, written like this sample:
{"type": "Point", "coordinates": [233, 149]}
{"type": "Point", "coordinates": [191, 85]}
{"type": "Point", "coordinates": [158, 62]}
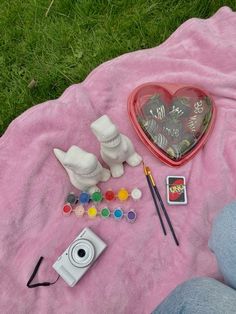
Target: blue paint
{"type": "Point", "coordinates": [84, 198]}
{"type": "Point", "coordinates": [118, 213]}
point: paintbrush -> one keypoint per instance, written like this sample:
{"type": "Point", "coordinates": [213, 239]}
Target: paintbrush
{"type": "Point", "coordinates": [149, 174]}
{"type": "Point", "coordinates": [154, 198]}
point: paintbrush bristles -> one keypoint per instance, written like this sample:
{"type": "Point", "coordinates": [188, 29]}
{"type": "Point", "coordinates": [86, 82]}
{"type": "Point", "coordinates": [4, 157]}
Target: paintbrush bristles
{"type": "Point", "coordinates": [149, 173]}
{"type": "Point", "coordinates": [144, 169]}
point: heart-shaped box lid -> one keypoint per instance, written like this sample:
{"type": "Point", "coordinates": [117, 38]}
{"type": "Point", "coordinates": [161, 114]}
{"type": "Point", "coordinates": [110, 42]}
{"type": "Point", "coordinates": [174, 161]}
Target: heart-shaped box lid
{"type": "Point", "coordinates": [174, 121]}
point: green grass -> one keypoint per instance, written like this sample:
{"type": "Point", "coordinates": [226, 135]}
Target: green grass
{"type": "Point", "coordinates": [63, 47]}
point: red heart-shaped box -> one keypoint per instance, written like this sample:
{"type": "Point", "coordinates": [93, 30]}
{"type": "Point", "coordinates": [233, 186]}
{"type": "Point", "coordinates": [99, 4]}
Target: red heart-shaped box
{"type": "Point", "coordinates": [173, 121]}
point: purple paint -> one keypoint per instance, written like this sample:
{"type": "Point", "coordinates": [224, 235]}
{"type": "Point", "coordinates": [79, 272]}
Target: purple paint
{"type": "Point", "coordinates": [131, 216]}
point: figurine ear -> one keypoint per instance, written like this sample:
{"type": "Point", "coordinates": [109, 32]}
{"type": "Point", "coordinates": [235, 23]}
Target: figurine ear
{"type": "Point", "coordinates": [60, 155]}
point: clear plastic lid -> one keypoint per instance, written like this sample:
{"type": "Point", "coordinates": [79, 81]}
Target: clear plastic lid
{"type": "Point", "coordinates": [173, 125]}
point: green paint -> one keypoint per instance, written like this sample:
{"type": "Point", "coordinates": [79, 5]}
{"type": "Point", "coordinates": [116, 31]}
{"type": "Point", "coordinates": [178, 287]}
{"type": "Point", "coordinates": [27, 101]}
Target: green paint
{"type": "Point", "coordinates": [96, 197]}
{"type": "Point", "coordinates": [105, 212]}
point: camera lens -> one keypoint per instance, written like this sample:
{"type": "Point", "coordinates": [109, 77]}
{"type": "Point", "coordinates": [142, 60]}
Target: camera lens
{"type": "Point", "coordinates": [81, 252]}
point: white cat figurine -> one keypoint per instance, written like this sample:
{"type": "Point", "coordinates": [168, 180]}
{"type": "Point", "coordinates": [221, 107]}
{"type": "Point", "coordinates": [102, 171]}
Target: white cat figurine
{"type": "Point", "coordinates": [83, 168]}
{"type": "Point", "coordinates": [116, 148]}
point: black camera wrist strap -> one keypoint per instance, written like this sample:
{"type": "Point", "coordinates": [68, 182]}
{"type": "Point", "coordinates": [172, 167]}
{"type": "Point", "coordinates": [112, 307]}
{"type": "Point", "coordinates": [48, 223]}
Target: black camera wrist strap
{"type": "Point", "coordinates": [45, 284]}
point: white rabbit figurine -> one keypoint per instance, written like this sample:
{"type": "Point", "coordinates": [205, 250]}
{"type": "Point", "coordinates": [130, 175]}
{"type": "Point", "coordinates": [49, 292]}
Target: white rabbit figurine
{"type": "Point", "coordinates": [116, 148]}
{"type": "Point", "coordinates": [83, 168]}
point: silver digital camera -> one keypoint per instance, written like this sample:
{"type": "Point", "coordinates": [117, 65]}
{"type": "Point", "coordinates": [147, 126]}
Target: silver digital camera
{"type": "Point", "coordinates": [79, 256]}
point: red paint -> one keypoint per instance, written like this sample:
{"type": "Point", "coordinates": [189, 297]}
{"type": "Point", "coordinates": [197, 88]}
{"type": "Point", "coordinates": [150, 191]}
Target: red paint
{"type": "Point", "coordinates": [67, 209]}
{"type": "Point", "coordinates": [109, 195]}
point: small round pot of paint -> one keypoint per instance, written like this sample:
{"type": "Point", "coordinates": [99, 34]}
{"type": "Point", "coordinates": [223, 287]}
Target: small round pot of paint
{"type": "Point", "coordinates": [136, 194]}
{"type": "Point", "coordinates": [79, 211]}
{"type": "Point", "coordinates": [105, 212]}
{"type": "Point", "coordinates": [71, 198]}
{"type": "Point", "coordinates": [96, 197]}
{"type": "Point", "coordinates": [84, 198]}
{"type": "Point", "coordinates": [118, 213]}
{"type": "Point", "coordinates": [123, 194]}
{"type": "Point", "coordinates": [131, 216]}
{"type": "Point", "coordinates": [92, 212]}
{"type": "Point", "coordinates": [67, 209]}
{"type": "Point", "coordinates": [109, 195]}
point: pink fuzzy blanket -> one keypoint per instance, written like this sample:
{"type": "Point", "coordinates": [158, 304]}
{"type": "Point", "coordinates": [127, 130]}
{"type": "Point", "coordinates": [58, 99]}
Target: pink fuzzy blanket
{"type": "Point", "coordinates": [140, 266]}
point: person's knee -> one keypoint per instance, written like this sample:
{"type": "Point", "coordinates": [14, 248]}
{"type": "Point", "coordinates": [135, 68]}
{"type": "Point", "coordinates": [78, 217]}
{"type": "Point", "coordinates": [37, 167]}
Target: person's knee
{"type": "Point", "coordinates": [195, 289]}
{"type": "Point", "coordinates": [186, 297]}
{"type": "Point", "coordinates": [199, 295]}
{"type": "Point", "coordinates": [197, 285]}
{"type": "Point", "coordinates": [223, 242]}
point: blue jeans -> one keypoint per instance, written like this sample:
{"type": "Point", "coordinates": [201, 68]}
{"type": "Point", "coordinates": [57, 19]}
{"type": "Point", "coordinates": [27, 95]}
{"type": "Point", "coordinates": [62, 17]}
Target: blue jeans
{"type": "Point", "coordinates": [206, 295]}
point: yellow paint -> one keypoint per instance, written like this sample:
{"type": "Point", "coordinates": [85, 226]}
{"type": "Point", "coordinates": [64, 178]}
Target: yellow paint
{"type": "Point", "coordinates": [92, 212]}
{"type": "Point", "coordinates": [123, 194]}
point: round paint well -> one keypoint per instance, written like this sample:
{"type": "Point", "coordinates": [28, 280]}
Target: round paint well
{"type": "Point", "coordinates": [109, 195]}
{"type": "Point", "coordinates": [84, 198]}
{"type": "Point", "coordinates": [123, 194]}
{"type": "Point", "coordinates": [92, 212]}
{"type": "Point", "coordinates": [105, 212]}
{"type": "Point", "coordinates": [96, 197]}
{"type": "Point", "coordinates": [118, 213]}
{"type": "Point", "coordinates": [71, 198]}
{"type": "Point", "coordinates": [136, 194]}
{"type": "Point", "coordinates": [131, 216]}
{"type": "Point", "coordinates": [79, 211]}
{"type": "Point", "coordinates": [67, 209]}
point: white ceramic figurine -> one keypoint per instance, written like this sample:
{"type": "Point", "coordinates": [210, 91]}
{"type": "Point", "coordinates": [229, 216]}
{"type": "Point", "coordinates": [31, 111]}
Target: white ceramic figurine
{"type": "Point", "coordinates": [116, 148]}
{"type": "Point", "coordinates": [83, 168]}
